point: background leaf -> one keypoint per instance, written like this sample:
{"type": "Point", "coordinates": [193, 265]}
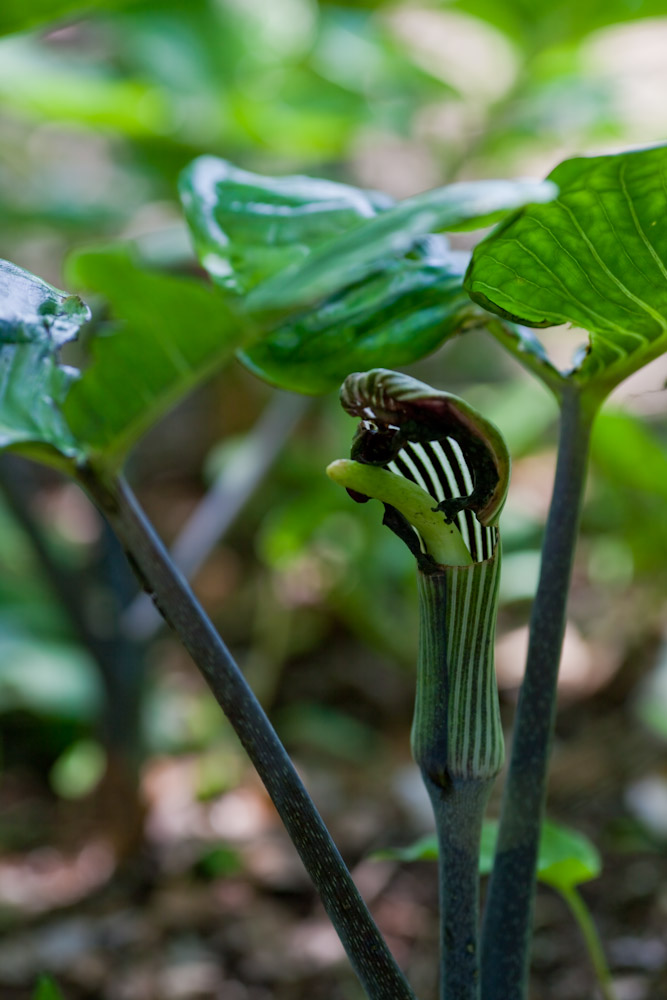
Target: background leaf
{"type": "Point", "coordinates": [596, 257]}
{"type": "Point", "coordinates": [17, 15]}
{"type": "Point", "coordinates": [43, 86]}
{"type": "Point", "coordinates": [629, 453]}
{"type": "Point", "coordinates": [562, 22]}
{"type": "Point", "coordinates": [36, 319]}
{"type": "Point", "coordinates": [566, 858]}
{"type": "Point", "coordinates": [175, 331]}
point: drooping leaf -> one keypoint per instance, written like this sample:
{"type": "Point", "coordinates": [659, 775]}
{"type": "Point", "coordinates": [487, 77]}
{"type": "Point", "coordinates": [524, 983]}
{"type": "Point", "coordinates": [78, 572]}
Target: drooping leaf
{"type": "Point", "coordinates": [566, 857]}
{"type": "Point", "coordinates": [596, 257]}
{"type": "Point", "coordinates": [391, 234]}
{"type": "Point", "coordinates": [424, 849]}
{"type": "Point", "coordinates": [392, 317]}
{"type": "Point", "coordinates": [248, 228]}
{"type": "Point", "coordinates": [35, 321]}
{"type": "Point", "coordinates": [343, 278]}
{"type": "Point", "coordinates": [174, 332]}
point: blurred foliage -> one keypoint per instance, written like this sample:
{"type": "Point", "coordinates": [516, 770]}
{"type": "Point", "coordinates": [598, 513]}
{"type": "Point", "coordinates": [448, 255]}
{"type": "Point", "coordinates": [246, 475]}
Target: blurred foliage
{"type": "Point", "coordinates": [47, 989]}
{"type": "Point", "coordinates": [174, 331]}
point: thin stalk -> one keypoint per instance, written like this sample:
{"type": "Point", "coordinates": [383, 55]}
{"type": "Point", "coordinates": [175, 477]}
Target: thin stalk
{"type": "Point", "coordinates": [588, 929]}
{"type": "Point", "coordinates": [509, 911]}
{"type": "Point", "coordinates": [459, 812]}
{"type": "Point", "coordinates": [368, 952]}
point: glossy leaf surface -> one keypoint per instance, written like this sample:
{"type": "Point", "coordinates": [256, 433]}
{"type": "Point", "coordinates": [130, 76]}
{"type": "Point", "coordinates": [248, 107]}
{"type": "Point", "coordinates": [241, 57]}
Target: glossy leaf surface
{"type": "Point", "coordinates": [248, 228]}
{"type": "Point", "coordinates": [35, 321]}
{"type": "Point", "coordinates": [364, 283]}
{"type": "Point", "coordinates": [391, 234]}
{"type": "Point", "coordinates": [174, 332]}
{"type": "Point", "coordinates": [596, 257]}
{"type": "Point", "coordinates": [392, 317]}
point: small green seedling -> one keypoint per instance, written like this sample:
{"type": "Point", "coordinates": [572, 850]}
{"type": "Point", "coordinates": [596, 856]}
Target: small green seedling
{"type": "Point", "coordinates": [46, 989]}
{"type": "Point", "coordinates": [566, 860]}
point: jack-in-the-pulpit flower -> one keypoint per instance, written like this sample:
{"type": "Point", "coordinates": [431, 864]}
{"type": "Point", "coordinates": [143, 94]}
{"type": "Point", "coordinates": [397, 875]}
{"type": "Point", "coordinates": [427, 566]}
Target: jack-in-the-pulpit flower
{"type": "Point", "coordinates": [442, 472]}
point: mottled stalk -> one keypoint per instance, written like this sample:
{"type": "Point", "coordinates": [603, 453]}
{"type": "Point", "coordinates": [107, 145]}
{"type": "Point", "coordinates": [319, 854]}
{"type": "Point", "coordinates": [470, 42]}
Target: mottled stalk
{"type": "Point", "coordinates": [508, 919]}
{"type": "Point", "coordinates": [368, 952]}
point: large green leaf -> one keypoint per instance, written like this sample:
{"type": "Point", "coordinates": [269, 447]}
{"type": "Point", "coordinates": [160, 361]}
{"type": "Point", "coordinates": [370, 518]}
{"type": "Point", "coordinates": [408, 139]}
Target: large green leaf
{"type": "Point", "coordinates": [391, 234]}
{"type": "Point", "coordinates": [392, 317]}
{"type": "Point", "coordinates": [174, 332]}
{"type": "Point", "coordinates": [35, 321]}
{"type": "Point", "coordinates": [596, 257]}
{"type": "Point", "coordinates": [248, 228]}
{"type": "Point", "coordinates": [344, 279]}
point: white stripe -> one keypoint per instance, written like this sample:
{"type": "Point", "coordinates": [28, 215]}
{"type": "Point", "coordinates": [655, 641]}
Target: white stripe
{"type": "Point", "coordinates": [471, 711]}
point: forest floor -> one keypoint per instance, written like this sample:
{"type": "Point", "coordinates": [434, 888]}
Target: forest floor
{"type": "Point", "coordinates": [211, 903]}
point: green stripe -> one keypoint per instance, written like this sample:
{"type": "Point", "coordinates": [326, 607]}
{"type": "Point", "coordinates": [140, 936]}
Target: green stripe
{"type": "Point", "coordinates": [457, 731]}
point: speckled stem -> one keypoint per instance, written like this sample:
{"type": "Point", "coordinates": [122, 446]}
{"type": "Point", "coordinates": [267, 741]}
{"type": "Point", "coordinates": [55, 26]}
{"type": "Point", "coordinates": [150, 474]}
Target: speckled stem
{"type": "Point", "coordinates": [368, 952]}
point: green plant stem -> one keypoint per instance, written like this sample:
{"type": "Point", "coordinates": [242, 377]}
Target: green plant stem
{"type": "Point", "coordinates": [507, 926]}
{"type": "Point", "coordinates": [583, 917]}
{"type": "Point", "coordinates": [368, 952]}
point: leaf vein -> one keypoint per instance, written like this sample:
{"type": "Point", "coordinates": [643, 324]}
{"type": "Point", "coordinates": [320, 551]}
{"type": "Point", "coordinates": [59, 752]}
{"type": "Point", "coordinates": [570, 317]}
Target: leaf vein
{"type": "Point", "coordinates": [644, 238]}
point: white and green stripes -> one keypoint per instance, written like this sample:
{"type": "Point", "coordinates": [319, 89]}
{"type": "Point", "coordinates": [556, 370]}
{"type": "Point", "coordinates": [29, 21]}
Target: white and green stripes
{"type": "Point", "coordinates": [440, 468]}
{"type": "Point", "coordinates": [457, 732]}
{"type": "Point", "coordinates": [442, 472]}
